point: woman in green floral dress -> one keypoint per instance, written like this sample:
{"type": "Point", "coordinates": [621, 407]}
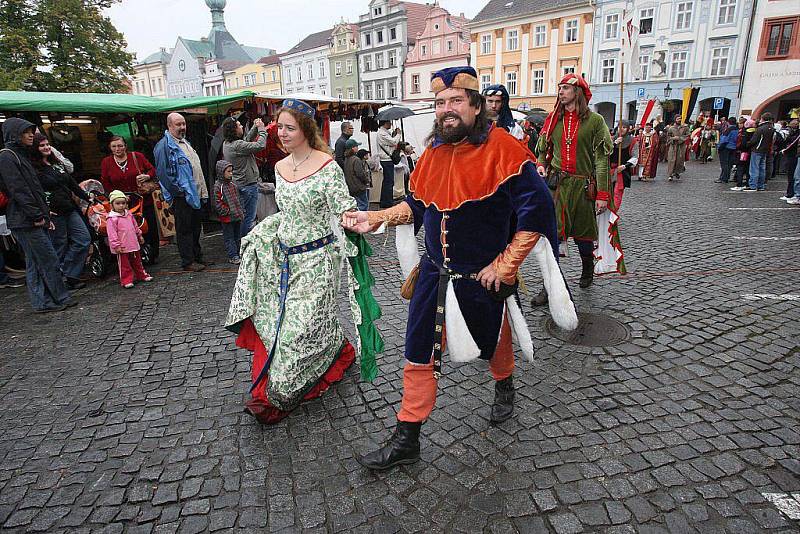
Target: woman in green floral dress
{"type": "Point", "coordinates": [284, 303]}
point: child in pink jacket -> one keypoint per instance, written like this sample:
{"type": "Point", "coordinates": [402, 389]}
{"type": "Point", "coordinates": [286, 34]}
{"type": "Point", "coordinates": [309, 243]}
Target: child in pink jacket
{"type": "Point", "coordinates": [125, 238]}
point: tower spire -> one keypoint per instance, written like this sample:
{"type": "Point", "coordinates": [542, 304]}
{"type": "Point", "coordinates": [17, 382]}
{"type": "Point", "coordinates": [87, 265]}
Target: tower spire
{"type": "Point", "coordinates": [217, 8]}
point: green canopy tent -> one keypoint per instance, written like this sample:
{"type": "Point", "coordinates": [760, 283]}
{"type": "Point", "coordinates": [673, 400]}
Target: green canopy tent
{"type": "Point", "coordinates": [90, 103]}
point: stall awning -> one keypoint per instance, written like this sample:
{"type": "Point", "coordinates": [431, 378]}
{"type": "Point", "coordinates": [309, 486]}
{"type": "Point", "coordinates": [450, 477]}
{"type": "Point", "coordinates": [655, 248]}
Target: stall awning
{"type": "Point", "coordinates": [107, 103]}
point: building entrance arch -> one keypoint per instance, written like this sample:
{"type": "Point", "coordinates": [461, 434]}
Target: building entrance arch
{"type": "Point", "coordinates": [781, 104]}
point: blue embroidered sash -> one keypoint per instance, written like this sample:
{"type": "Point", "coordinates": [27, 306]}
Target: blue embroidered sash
{"type": "Point", "coordinates": [284, 289]}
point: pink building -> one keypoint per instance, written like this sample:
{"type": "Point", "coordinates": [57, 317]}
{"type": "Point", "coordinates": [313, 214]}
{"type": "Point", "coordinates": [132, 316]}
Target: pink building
{"type": "Point", "coordinates": [443, 43]}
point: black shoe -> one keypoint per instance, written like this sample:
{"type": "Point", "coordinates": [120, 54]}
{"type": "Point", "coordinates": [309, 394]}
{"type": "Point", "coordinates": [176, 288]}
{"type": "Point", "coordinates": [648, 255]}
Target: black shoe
{"type": "Point", "coordinates": [402, 448]}
{"type": "Point", "coordinates": [11, 284]}
{"type": "Point", "coordinates": [74, 283]}
{"type": "Point", "coordinates": [587, 272]}
{"type": "Point", "coordinates": [540, 299]}
{"type": "Point", "coordinates": [503, 406]}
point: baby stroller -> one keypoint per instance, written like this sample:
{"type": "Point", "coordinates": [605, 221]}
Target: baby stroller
{"type": "Point", "coordinates": [101, 259]}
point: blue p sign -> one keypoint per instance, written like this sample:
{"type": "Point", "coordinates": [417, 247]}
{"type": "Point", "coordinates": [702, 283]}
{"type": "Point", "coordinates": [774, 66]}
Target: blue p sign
{"type": "Point", "coordinates": [719, 103]}
{"type": "Point", "coordinates": [640, 92]}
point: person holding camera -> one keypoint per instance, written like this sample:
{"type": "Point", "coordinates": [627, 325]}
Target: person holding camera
{"type": "Point", "coordinates": [387, 144]}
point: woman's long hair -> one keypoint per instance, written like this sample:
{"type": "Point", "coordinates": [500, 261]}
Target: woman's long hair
{"type": "Point", "coordinates": [36, 156]}
{"type": "Point", "coordinates": [309, 129]}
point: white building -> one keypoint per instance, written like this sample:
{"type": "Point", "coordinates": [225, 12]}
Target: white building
{"type": "Point", "coordinates": [772, 72]}
{"type": "Point", "coordinates": [150, 75]}
{"type": "Point", "coordinates": [387, 30]}
{"type": "Point", "coordinates": [186, 68]}
{"type": "Point", "coordinates": [683, 43]}
{"type": "Point", "coordinates": [305, 65]}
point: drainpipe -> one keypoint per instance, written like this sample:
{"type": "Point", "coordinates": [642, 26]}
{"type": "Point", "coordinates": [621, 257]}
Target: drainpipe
{"type": "Point", "coordinates": [747, 53]}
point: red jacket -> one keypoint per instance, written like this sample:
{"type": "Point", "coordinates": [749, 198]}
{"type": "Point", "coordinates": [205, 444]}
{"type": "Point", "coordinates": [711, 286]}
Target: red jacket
{"type": "Point", "coordinates": [112, 176]}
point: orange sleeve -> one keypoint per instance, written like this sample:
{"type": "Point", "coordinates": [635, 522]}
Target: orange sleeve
{"type": "Point", "coordinates": [394, 216]}
{"type": "Point", "coordinates": [507, 263]}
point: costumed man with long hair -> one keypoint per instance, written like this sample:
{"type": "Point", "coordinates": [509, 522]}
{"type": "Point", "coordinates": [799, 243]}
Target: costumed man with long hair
{"type": "Point", "coordinates": [622, 161]}
{"type": "Point", "coordinates": [573, 154]}
{"type": "Point", "coordinates": [649, 145]}
{"type": "Point", "coordinates": [469, 181]}
{"type": "Point", "coordinates": [499, 111]}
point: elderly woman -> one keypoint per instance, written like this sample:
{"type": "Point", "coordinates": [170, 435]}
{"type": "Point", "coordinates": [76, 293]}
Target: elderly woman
{"type": "Point", "coordinates": [69, 235]}
{"type": "Point", "coordinates": [132, 173]}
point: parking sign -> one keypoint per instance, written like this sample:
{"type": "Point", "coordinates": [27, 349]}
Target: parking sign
{"type": "Point", "coordinates": [640, 92]}
{"type": "Point", "coordinates": [718, 103]}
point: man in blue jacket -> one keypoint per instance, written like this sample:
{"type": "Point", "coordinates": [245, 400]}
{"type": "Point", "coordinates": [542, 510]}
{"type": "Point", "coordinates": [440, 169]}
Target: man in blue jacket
{"type": "Point", "coordinates": [729, 133]}
{"type": "Point", "coordinates": [28, 218]}
{"type": "Point", "coordinates": [178, 165]}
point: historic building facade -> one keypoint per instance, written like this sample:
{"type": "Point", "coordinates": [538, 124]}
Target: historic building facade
{"type": "Point", "coordinates": [682, 43]}
{"type": "Point", "coordinates": [444, 42]}
{"type": "Point", "coordinates": [150, 75]}
{"type": "Point", "coordinates": [772, 70]}
{"type": "Point", "coordinates": [528, 46]}
{"type": "Point", "coordinates": [343, 60]}
{"type": "Point", "coordinates": [386, 31]}
{"type": "Point", "coordinates": [305, 65]}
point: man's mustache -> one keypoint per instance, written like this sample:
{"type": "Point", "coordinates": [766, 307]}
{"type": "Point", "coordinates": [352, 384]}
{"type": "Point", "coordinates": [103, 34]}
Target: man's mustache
{"type": "Point", "coordinates": [448, 115]}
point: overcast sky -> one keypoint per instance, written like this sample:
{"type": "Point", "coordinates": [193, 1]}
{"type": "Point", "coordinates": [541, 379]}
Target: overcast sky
{"type": "Point", "coordinates": [151, 24]}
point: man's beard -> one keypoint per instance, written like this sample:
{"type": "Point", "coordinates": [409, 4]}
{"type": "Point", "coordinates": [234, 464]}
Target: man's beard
{"type": "Point", "coordinates": [450, 134]}
{"type": "Point", "coordinates": [492, 115]}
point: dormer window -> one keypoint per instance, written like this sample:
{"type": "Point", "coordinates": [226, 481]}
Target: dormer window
{"type": "Point", "coordinates": [377, 11]}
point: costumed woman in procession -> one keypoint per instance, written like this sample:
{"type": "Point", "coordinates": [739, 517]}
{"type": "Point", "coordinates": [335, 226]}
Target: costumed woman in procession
{"type": "Point", "coordinates": [573, 154]}
{"type": "Point", "coordinates": [464, 189]}
{"type": "Point", "coordinates": [648, 153]}
{"type": "Point", "coordinates": [284, 303]}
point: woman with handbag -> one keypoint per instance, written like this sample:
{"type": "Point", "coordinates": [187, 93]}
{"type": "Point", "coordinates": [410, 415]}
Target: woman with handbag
{"type": "Point", "coordinates": [69, 235]}
{"type": "Point", "coordinates": [131, 172]}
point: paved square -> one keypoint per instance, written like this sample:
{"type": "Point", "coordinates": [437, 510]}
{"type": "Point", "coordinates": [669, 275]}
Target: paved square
{"type": "Point", "coordinates": [125, 414]}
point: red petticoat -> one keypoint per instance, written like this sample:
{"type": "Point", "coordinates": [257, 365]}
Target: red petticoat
{"type": "Point", "coordinates": [259, 406]}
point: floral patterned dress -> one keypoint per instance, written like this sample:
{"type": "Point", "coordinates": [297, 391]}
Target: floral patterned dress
{"type": "Point", "coordinates": [310, 346]}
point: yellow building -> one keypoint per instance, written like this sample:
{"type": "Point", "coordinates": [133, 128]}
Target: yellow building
{"type": "Point", "coordinates": [528, 46]}
{"type": "Point", "coordinates": [264, 76]}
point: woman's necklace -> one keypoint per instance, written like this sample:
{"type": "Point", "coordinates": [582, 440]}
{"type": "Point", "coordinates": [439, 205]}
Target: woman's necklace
{"type": "Point", "coordinates": [123, 165]}
{"type": "Point", "coordinates": [297, 165]}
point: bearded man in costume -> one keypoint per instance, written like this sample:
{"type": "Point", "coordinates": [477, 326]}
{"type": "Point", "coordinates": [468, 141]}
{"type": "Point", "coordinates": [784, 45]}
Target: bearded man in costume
{"type": "Point", "coordinates": [499, 111]}
{"type": "Point", "coordinates": [573, 154]}
{"type": "Point", "coordinates": [469, 181]}
{"type": "Point", "coordinates": [677, 138]}
{"type": "Point", "coordinates": [648, 153]}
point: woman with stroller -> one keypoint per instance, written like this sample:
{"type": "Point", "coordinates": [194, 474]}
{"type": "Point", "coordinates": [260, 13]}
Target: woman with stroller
{"type": "Point", "coordinates": [70, 237]}
{"type": "Point", "coordinates": [132, 173]}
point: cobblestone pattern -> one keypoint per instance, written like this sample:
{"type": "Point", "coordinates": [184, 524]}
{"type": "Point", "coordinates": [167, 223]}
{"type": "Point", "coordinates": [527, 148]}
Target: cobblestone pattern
{"type": "Point", "coordinates": [124, 415]}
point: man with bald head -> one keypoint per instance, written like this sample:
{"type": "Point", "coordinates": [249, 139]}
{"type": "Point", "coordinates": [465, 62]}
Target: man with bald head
{"type": "Point", "coordinates": [184, 187]}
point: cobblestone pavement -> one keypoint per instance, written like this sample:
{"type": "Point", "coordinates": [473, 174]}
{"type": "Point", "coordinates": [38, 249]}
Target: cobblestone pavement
{"type": "Point", "coordinates": [124, 414]}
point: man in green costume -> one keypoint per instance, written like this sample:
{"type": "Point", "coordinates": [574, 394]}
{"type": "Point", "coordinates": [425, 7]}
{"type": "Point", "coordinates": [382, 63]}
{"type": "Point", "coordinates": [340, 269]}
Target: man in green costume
{"type": "Point", "coordinates": [573, 154]}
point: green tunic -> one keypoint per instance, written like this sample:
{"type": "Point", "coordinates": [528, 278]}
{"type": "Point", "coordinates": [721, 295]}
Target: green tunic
{"type": "Point", "coordinates": [575, 212]}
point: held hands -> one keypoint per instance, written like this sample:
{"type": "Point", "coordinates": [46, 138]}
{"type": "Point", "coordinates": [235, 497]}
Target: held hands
{"type": "Point", "coordinates": [258, 123]}
{"type": "Point", "coordinates": [489, 278]}
{"type": "Point", "coordinates": [600, 206]}
{"type": "Point", "coordinates": [357, 221]}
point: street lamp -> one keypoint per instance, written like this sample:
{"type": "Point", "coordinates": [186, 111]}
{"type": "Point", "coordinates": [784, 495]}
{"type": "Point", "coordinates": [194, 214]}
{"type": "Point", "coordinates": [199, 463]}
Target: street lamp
{"type": "Point", "coordinates": [667, 91]}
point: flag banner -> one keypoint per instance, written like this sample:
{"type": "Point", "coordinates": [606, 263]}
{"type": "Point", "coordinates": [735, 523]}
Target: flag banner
{"type": "Point", "coordinates": [689, 101]}
{"type": "Point", "coordinates": [630, 45]}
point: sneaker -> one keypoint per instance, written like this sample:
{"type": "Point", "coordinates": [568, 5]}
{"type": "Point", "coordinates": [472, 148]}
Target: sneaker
{"type": "Point", "coordinates": [194, 267]}
{"type": "Point", "coordinates": [718, 181]}
{"type": "Point", "coordinates": [737, 188]}
{"type": "Point", "coordinates": [15, 274]}
{"type": "Point", "coordinates": [748, 189]}
{"type": "Point", "coordinates": [794, 201]}
{"type": "Point", "coordinates": [784, 197]}
{"type": "Point", "coordinates": [128, 286]}
{"type": "Point", "coordinates": [11, 284]}
{"type": "Point", "coordinates": [235, 261]}
{"type": "Point", "coordinates": [669, 178]}
{"type": "Point", "coordinates": [760, 189]}
{"type": "Point", "coordinates": [148, 278]}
